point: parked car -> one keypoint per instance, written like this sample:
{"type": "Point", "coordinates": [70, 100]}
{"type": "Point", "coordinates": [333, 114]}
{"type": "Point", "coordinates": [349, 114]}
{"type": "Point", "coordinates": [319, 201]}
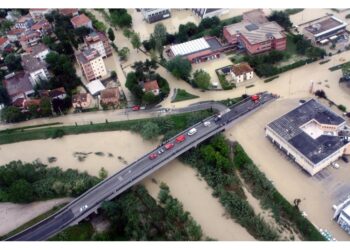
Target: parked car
{"type": "Point", "coordinates": [161, 151]}
{"type": "Point", "coordinates": [136, 108]}
{"type": "Point", "coordinates": [207, 123]}
{"type": "Point", "coordinates": [335, 165]}
{"type": "Point", "coordinates": [345, 159]}
{"type": "Point", "coordinates": [169, 146]}
{"type": "Point", "coordinates": [152, 156]}
{"type": "Point", "coordinates": [192, 131]}
{"type": "Point", "coordinates": [180, 138]}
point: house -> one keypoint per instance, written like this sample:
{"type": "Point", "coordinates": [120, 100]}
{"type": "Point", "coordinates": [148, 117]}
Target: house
{"type": "Point", "coordinates": [58, 93]}
{"type": "Point", "coordinates": [80, 21]}
{"type": "Point", "coordinates": [95, 87]}
{"type": "Point", "coordinates": [18, 85]}
{"type": "Point", "coordinates": [69, 12]}
{"type": "Point", "coordinates": [36, 68]}
{"type": "Point", "coordinates": [92, 64]}
{"type": "Point", "coordinates": [4, 42]}
{"type": "Point", "coordinates": [155, 15]}
{"type": "Point", "coordinates": [43, 26]}
{"type": "Point", "coordinates": [151, 86]}
{"type": "Point", "coordinates": [39, 51]}
{"type": "Point", "coordinates": [39, 13]}
{"type": "Point", "coordinates": [29, 38]}
{"type": "Point", "coordinates": [30, 102]}
{"type": "Point", "coordinates": [242, 72]}
{"type": "Point", "coordinates": [14, 34]}
{"type": "Point", "coordinates": [81, 101]}
{"type": "Point", "coordinates": [207, 13]}
{"type": "Point", "coordinates": [99, 41]}
{"type": "Point", "coordinates": [110, 96]}
{"type": "Point", "coordinates": [24, 22]}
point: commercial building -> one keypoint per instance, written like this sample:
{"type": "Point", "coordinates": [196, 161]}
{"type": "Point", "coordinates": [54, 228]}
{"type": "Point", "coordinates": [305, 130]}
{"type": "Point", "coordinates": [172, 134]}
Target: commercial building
{"type": "Point", "coordinates": [204, 13]}
{"type": "Point", "coordinates": [99, 41]}
{"type": "Point", "coordinates": [312, 135]}
{"type": "Point", "coordinates": [198, 50]}
{"type": "Point", "coordinates": [155, 15]}
{"type": "Point", "coordinates": [92, 64]}
{"type": "Point", "coordinates": [18, 85]}
{"type": "Point", "coordinates": [342, 215]}
{"type": "Point", "coordinates": [80, 21]}
{"type": "Point", "coordinates": [35, 67]}
{"type": "Point", "coordinates": [241, 72]}
{"type": "Point", "coordinates": [325, 29]}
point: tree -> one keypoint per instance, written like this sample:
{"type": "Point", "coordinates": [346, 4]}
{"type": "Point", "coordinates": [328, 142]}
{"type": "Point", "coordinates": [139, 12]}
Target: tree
{"type": "Point", "coordinates": [179, 67]}
{"type": "Point", "coordinates": [12, 114]}
{"type": "Point", "coordinates": [320, 94]}
{"type": "Point", "coordinates": [315, 52]}
{"type": "Point", "coordinates": [113, 75]}
{"type": "Point", "coordinates": [281, 18]}
{"type": "Point", "coordinates": [82, 31]}
{"type": "Point", "coordinates": [202, 79]}
{"type": "Point", "coordinates": [346, 70]}
{"type": "Point", "coordinates": [150, 131]}
{"type": "Point", "coordinates": [21, 191]}
{"type": "Point", "coordinates": [123, 53]}
{"type": "Point", "coordinates": [120, 18]}
{"type": "Point", "coordinates": [103, 173]}
{"type": "Point", "coordinates": [4, 96]}
{"type": "Point", "coordinates": [111, 35]}
{"type": "Point", "coordinates": [150, 98]}
{"type": "Point", "coordinates": [135, 41]}
{"type": "Point", "coordinates": [13, 62]}
{"type": "Point", "coordinates": [45, 106]}
{"type": "Point", "coordinates": [159, 35]}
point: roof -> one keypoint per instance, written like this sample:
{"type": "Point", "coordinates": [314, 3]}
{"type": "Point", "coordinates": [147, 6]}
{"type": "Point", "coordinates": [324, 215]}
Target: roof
{"type": "Point", "coordinates": [80, 97]}
{"type": "Point", "coordinates": [289, 128]}
{"type": "Point", "coordinates": [32, 64]}
{"type": "Point", "coordinates": [110, 93]}
{"type": "Point", "coordinates": [255, 16]}
{"type": "Point", "coordinates": [80, 20]}
{"type": "Point", "coordinates": [3, 40]}
{"type": "Point", "coordinates": [242, 68]}
{"type": "Point", "coordinates": [190, 47]}
{"type": "Point", "coordinates": [326, 25]}
{"type": "Point", "coordinates": [18, 83]}
{"type": "Point", "coordinates": [150, 85]}
{"type": "Point", "coordinates": [25, 18]}
{"type": "Point", "coordinates": [346, 210]}
{"type": "Point", "coordinates": [199, 54]}
{"type": "Point", "coordinates": [256, 33]}
{"type": "Point", "coordinates": [40, 25]}
{"type": "Point", "coordinates": [30, 102]}
{"type": "Point", "coordinates": [15, 32]}
{"type": "Point", "coordinates": [95, 37]}
{"type": "Point", "coordinates": [52, 93]}
{"type": "Point", "coordinates": [36, 49]}
{"type": "Point", "coordinates": [87, 55]}
{"type": "Point", "coordinates": [95, 87]}
{"type": "Point", "coordinates": [67, 12]}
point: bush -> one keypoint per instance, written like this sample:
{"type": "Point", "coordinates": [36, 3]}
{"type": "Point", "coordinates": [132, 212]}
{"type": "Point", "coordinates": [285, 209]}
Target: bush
{"type": "Point", "coordinates": [342, 107]}
{"type": "Point", "coordinates": [320, 94]}
{"type": "Point", "coordinates": [226, 85]}
{"type": "Point", "coordinates": [58, 133]}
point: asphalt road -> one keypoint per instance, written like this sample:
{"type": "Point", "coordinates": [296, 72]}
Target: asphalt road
{"type": "Point", "coordinates": [89, 202]}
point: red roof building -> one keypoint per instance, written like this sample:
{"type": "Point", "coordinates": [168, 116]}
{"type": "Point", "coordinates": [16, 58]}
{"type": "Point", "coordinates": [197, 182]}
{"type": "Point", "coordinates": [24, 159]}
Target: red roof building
{"type": "Point", "coordinates": [151, 86]}
{"type": "Point", "coordinates": [3, 43]}
{"type": "Point", "coordinates": [110, 96]}
{"type": "Point", "coordinates": [14, 34]}
{"type": "Point", "coordinates": [69, 12]}
{"type": "Point", "coordinates": [43, 26]}
{"type": "Point", "coordinates": [99, 41]}
{"type": "Point", "coordinates": [80, 21]}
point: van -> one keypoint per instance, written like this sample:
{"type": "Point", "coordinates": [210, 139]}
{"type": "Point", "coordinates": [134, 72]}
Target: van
{"type": "Point", "coordinates": [192, 131]}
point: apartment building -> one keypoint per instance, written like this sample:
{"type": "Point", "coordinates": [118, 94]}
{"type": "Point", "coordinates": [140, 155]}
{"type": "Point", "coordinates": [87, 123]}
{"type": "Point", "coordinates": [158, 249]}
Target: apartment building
{"type": "Point", "coordinates": [92, 64]}
{"type": "Point", "coordinates": [99, 41]}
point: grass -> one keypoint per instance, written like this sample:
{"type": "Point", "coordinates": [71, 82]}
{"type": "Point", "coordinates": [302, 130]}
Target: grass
{"type": "Point", "coordinates": [81, 232]}
{"type": "Point", "coordinates": [10, 130]}
{"type": "Point", "coordinates": [182, 95]}
{"type": "Point", "coordinates": [33, 221]}
{"type": "Point", "coordinates": [271, 78]}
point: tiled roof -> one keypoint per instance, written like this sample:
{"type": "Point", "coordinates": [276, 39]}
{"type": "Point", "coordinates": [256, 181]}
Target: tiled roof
{"type": "Point", "coordinates": [15, 31]}
{"type": "Point", "coordinates": [18, 84]}
{"type": "Point", "coordinates": [110, 93]}
{"type": "Point", "coordinates": [3, 40]}
{"type": "Point", "coordinates": [151, 85]}
{"type": "Point", "coordinates": [79, 98]}
{"type": "Point", "coordinates": [67, 12]}
{"type": "Point", "coordinates": [80, 20]}
{"type": "Point", "coordinates": [31, 63]}
{"type": "Point", "coordinates": [36, 49]}
{"type": "Point", "coordinates": [242, 68]}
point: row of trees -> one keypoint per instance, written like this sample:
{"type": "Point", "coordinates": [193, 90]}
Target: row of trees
{"type": "Point", "coordinates": [120, 18]}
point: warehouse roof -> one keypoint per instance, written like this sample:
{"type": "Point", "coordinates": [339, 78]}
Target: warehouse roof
{"type": "Point", "coordinates": [190, 47]}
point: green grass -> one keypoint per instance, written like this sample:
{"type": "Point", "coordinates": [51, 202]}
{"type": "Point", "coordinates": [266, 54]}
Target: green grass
{"type": "Point", "coordinates": [33, 221]}
{"type": "Point", "coordinates": [81, 232]}
{"type": "Point", "coordinates": [182, 95]}
{"type": "Point", "coordinates": [271, 78]}
{"type": "Point", "coordinates": [10, 130]}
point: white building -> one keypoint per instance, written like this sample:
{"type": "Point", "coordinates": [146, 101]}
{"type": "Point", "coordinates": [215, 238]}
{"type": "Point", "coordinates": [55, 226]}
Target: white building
{"type": "Point", "coordinates": [155, 15]}
{"type": "Point", "coordinates": [241, 72]}
{"type": "Point", "coordinates": [342, 215]}
{"type": "Point", "coordinates": [92, 64]}
{"type": "Point", "coordinates": [40, 51]}
{"type": "Point", "coordinates": [95, 87]}
{"type": "Point", "coordinates": [204, 13]}
{"type": "Point", "coordinates": [36, 68]}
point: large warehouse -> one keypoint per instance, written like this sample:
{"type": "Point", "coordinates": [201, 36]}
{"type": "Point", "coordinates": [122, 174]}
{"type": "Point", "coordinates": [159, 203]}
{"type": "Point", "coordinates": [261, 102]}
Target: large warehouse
{"type": "Point", "coordinates": [312, 135]}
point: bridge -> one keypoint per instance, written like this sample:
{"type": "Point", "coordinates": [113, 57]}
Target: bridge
{"type": "Point", "coordinates": [91, 200]}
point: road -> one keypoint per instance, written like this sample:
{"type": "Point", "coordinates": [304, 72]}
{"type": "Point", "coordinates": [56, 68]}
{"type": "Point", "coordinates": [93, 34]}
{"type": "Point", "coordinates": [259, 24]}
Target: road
{"type": "Point", "coordinates": [108, 189]}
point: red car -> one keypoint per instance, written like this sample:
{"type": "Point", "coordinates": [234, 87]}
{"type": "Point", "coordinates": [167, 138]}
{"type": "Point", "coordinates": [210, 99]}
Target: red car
{"type": "Point", "coordinates": [152, 156]}
{"type": "Point", "coordinates": [180, 138]}
{"type": "Point", "coordinates": [136, 108]}
{"type": "Point", "coordinates": [169, 146]}
{"type": "Point", "coordinates": [255, 98]}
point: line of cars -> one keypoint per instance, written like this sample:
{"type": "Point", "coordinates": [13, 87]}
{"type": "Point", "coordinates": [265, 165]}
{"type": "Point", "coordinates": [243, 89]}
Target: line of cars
{"type": "Point", "coordinates": [178, 139]}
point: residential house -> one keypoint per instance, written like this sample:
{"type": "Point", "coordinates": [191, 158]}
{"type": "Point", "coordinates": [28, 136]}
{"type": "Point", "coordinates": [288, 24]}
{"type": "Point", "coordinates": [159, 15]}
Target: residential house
{"type": "Point", "coordinates": [30, 102]}
{"type": "Point", "coordinates": [81, 101]}
{"type": "Point", "coordinates": [29, 38]}
{"type": "Point", "coordinates": [99, 41]}
{"type": "Point", "coordinates": [80, 21]}
{"type": "Point", "coordinates": [92, 64]}
{"type": "Point", "coordinates": [58, 93]}
{"type": "Point", "coordinates": [24, 22]}
{"type": "Point", "coordinates": [39, 13]}
{"type": "Point", "coordinates": [110, 96]}
{"type": "Point", "coordinates": [14, 34]}
{"type": "Point", "coordinates": [69, 12]}
{"type": "Point", "coordinates": [18, 85]}
{"type": "Point", "coordinates": [4, 42]}
{"type": "Point", "coordinates": [43, 26]}
{"type": "Point", "coordinates": [155, 15]}
{"type": "Point", "coordinates": [36, 68]}
{"type": "Point", "coordinates": [39, 51]}
{"type": "Point", "coordinates": [151, 86]}
{"type": "Point", "coordinates": [242, 72]}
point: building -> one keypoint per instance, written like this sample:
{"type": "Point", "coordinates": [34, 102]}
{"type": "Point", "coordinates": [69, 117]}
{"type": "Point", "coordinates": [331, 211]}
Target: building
{"type": "Point", "coordinates": [110, 96]}
{"type": "Point", "coordinates": [80, 21]}
{"type": "Point", "coordinates": [18, 85]}
{"type": "Point", "coordinates": [151, 86]}
{"type": "Point", "coordinates": [69, 12]}
{"type": "Point", "coordinates": [39, 51]}
{"type": "Point", "coordinates": [29, 38]}
{"type": "Point", "coordinates": [256, 16]}
{"type": "Point", "coordinates": [4, 42]}
{"type": "Point", "coordinates": [206, 13]}
{"type": "Point", "coordinates": [198, 50]}
{"type": "Point", "coordinates": [35, 67]}
{"type": "Point", "coordinates": [39, 13]}
{"type": "Point", "coordinates": [24, 22]}
{"type": "Point", "coordinates": [58, 93]}
{"type": "Point", "coordinates": [311, 135]}
{"type": "Point", "coordinates": [14, 34]}
{"type": "Point", "coordinates": [325, 29]}
{"type": "Point", "coordinates": [92, 64]}
{"type": "Point", "coordinates": [155, 15]}
{"type": "Point", "coordinates": [99, 41]}
{"type": "Point", "coordinates": [43, 27]}
{"type": "Point", "coordinates": [241, 72]}
{"type": "Point", "coordinates": [81, 100]}
{"type": "Point", "coordinates": [95, 87]}
{"type": "Point", "coordinates": [342, 215]}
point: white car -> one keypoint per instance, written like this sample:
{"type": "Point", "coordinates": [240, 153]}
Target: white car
{"type": "Point", "coordinates": [207, 123]}
{"type": "Point", "coordinates": [335, 165]}
{"type": "Point", "coordinates": [192, 131]}
{"type": "Point", "coordinates": [83, 208]}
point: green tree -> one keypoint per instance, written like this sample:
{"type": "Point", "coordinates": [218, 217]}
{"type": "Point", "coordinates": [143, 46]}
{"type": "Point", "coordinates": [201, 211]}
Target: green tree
{"type": "Point", "coordinates": [103, 173]}
{"type": "Point", "coordinates": [315, 52]}
{"type": "Point", "coordinates": [13, 62]}
{"type": "Point", "coordinates": [150, 98]}
{"type": "Point", "coordinates": [179, 67]}
{"type": "Point", "coordinates": [21, 191]}
{"type": "Point", "coordinates": [120, 18]}
{"type": "Point", "coordinates": [45, 106]}
{"type": "Point", "coordinates": [82, 31]}
{"type": "Point", "coordinates": [202, 79]}
{"type": "Point", "coordinates": [150, 131]}
{"type": "Point", "coordinates": [113, 75]}
{"type": "Point", "coordinates": [124, 53]}
{"type": "Point", "coordinates": [345, 70]}
{"type": "Point", "coordinates": [159, 35]}
{"type": "Point", "coordinates": [4, 96]}
{"type": "Point", "coordinates": [135, 41]}
{"type": "Point", "coordinates": [281, 18]}
{"type": "Point", "coordinates": [111, 35]}
{"type": "Point", "coordinates": [12, 114]}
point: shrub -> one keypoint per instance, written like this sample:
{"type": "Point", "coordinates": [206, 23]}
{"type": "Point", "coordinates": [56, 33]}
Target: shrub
{"type": "Point", "coordinates": [58, 133]}
{"type": "Point", "coordinates": [342, 107]}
